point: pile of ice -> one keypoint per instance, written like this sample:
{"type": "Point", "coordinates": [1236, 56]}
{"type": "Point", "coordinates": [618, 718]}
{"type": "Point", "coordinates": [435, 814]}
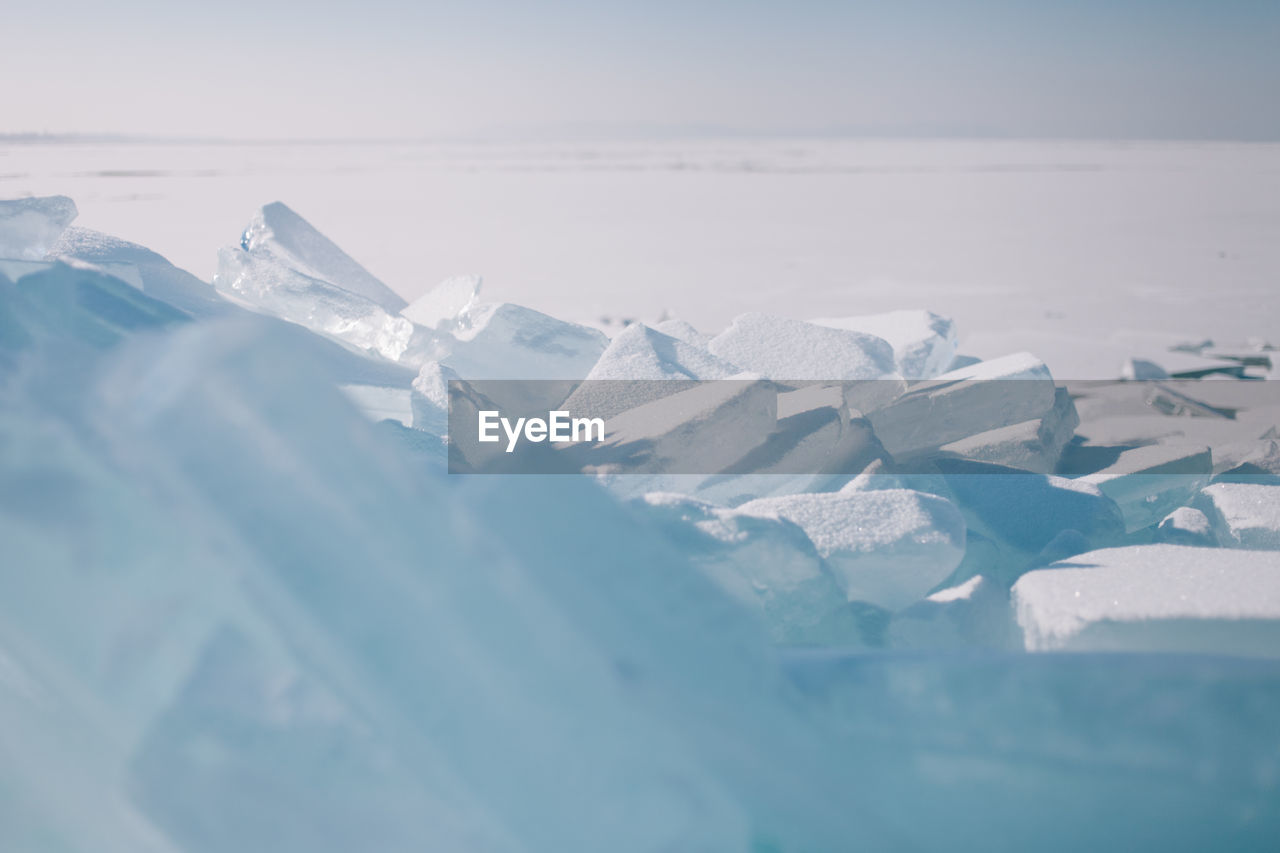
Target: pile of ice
{"type": "Point", "coordinates": [245, 608]}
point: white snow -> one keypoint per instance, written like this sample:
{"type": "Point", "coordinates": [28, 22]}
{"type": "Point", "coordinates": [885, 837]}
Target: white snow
{"type": "Point", "coordinates": [1153, 598]}
{"type": "Point", "coordinates": [887, 547]}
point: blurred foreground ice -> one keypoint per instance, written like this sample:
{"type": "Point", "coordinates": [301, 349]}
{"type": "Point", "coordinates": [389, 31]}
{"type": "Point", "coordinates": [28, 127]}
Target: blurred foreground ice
{"type": "Point", "coordinates": [240, 614]}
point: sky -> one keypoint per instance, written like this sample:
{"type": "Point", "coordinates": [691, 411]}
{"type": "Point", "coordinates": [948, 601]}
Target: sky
{"type": "Point", "coordinates": [420, 69]}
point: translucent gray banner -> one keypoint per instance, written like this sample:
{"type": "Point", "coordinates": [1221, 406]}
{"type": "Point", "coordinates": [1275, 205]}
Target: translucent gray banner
{"type": "Point", "coordinates": [841, 429]}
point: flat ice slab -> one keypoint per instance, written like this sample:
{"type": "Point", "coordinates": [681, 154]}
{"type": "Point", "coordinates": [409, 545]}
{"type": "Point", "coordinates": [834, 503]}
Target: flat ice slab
{"type": "Point", "coordinates": [1153, 598]}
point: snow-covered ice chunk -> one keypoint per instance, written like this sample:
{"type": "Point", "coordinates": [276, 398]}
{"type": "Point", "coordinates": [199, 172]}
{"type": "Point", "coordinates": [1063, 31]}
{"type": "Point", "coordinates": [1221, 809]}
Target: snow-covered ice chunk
{"type": "Point", "coordinates": [157, 277]}
{"type": "Point", "coordinates": [446, 305]}
{"type": "Point", "coordinates": [924, 343]}
{"type": "Point", "coordinates": [783, 349]}
{"type": "Point", "coordinates": [276, 229]}
{"type": "Point", "coordinates": [507, 341]}
{"type": "Point", "coordinates": [641, 365]}
{"type": "Point", "coordinates": [1243, 515]}
{"type": "Point", "coordinates": [965, 402]}
{"type": "Point", "coordinates": [769, 564]}
{"type": "Point", "coordinates": [261, 280]}
{"type": "Point", "coordinates": [639, 352]}
{"type": "Point", "coordinates": [29, 227]}
{"type": "Point", "coordinates": [887, 548]}
{"type": "Point", "coordinates": [684, 331]}
{"type": "Point", "coordinates": [1034, 445]}
{"type": "Point", "coordinates": [1186, 526]}
{"type": "Point", "coordinates": [1153, 598]}
{"type": "Point", "coordinates": [974, 614]}
{"type": "Point", "coordinates": [1149, 482]}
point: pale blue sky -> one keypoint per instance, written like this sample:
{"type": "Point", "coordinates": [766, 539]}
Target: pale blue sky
{"type": "Point", "coordinates": [403, 69]}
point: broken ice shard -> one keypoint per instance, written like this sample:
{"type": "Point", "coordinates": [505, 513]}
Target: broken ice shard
{"type": "Point", "coordinates": [276, 229]}
{"type": "Point", "coordinates": [887, 548]}
{"type": "Point", "coordinates": [29, 227]}
{"type": "Point", "coordinates": [446, 305]}
{"type": "Point", "coordinates": [259, 279]}
{"type": "Point", "coordinates": [507, 341]}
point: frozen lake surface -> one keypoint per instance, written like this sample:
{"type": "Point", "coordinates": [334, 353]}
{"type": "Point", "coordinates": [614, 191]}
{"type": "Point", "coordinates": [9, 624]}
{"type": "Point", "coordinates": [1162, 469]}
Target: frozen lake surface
{"type": "Point", "coordinates": [1084, 252]}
